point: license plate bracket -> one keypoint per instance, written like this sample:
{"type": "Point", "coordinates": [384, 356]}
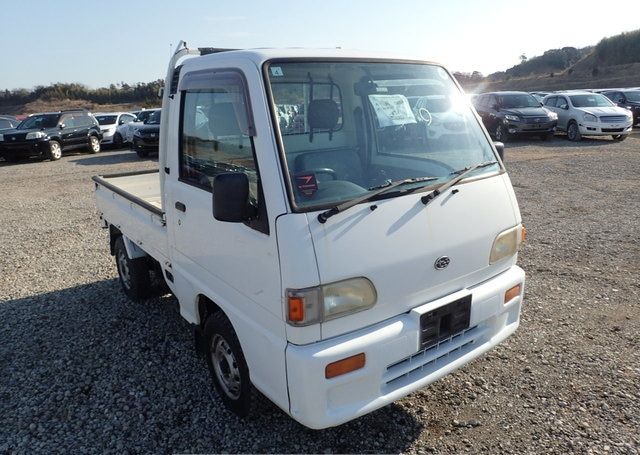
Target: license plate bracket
{"type": "Point", "coordinates": [445, 321]}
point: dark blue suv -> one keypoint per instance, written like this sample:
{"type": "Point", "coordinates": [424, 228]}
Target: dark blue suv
{"type": "Point", "coordinates": [48, 135]}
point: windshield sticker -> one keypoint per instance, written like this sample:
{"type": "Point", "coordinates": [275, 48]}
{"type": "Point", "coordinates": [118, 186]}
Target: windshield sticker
{"type": "Point", "coordinates": [307, 184]}
{"type": "Point", "coordinates": [392, 110]}
{"type": "Point", "coordinates": [276, 71]}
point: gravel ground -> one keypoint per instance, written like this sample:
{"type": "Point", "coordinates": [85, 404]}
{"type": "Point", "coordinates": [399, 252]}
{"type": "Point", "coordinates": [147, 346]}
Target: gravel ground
{"type": "Point", "coordinates": [84, 370]}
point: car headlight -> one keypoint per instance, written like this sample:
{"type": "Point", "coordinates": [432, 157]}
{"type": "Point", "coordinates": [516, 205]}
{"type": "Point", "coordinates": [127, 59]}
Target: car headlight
{"type": "Point", "coordinates": [514, 118]}
{"type": "Point", "coordinates": [507, 243]}
{"type": "Point", "coordinates": [553, 116]}
{"type": "Point", "coordinates": [35, 135]}
{"type": "Point", "coordinates": [590, 118]}
{"type": "Point", "coordinates": [329, 301]}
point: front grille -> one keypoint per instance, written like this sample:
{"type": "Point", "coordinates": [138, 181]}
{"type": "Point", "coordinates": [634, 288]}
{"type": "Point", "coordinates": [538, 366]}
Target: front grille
{"type": "Point", "coordinates": [612, 130]}
{"type": "Point", "coordinates": [15, 137]}
{"type": "Point", "coordinates": [426, 361]}
{"type": "Point", "coordinates": [536, 119]}
{"type": "Point", "coordinates": [613, 118]}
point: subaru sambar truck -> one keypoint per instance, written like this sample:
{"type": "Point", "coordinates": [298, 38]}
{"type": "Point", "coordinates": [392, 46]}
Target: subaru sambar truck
{"type": "Point", "coordinates": [328, 248]}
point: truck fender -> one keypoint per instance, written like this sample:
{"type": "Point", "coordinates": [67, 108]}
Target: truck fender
{"type": "Point", "coordinates": [133, 250]}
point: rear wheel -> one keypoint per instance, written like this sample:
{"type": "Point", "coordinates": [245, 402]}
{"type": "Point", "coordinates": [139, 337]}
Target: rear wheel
{"type": "Point", "coordinates": [133, 273]}
{"type": "Point", "coordinates": [227, 364]}
{"type": "Point", "coordinates": [55, 151]}
{"type": "Point", "coordinates": [94, 144]}
{"type": "Point", "coordinates": [501, 134]}
{"type": "Point", "coordinates": [573, 132]}
{"type": "Point", "coordinates": [619, 137]}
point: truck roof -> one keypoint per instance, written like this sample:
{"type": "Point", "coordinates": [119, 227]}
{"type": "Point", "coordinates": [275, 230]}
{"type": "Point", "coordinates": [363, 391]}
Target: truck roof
{"type": "Point", "coordinates": [261, 55]}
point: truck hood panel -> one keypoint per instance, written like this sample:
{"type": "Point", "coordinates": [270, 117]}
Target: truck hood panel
{"type": "Point", "coordinates": [397, 244]}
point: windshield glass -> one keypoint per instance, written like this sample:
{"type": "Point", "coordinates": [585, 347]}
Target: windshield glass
{"type": "Point", "coordinates": [39, 121]}
{"type": "Point", "coordinates": [517, 101]}
{"type": "Point", "coordinates": [349, 127]}
{"type": "Point", "coordinates": [633, 96]}
{"type": "Point", "coordinates": [142, 116]}
{"type": "Point", "coordinates": [593, 100]}
{"type": "Point", "coordinates": [106, 119]}
{"type": "Point", "coordinates": [154, 119]}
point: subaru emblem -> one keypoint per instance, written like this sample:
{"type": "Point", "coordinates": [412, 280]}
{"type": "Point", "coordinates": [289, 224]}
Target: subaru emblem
{"type": "Point", "coordinates": [442, 262]}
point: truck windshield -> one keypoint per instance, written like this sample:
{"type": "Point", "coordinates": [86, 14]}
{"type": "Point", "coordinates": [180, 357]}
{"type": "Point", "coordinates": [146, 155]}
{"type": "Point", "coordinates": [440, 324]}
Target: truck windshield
{"type": "Point", "coordinates": [349, 127]}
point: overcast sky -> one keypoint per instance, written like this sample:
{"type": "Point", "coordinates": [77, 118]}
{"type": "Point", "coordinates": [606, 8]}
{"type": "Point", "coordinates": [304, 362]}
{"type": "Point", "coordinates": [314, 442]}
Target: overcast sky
{"type": "Point", "coordinates": [98, 43]}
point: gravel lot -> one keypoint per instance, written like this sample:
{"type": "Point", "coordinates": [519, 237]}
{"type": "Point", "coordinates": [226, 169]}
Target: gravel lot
{"type": "Point", "coordinates": [84, 370]}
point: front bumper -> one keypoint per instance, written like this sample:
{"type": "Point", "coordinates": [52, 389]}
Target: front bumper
{"type": "Point", "coordinates": [601, 128]}
{"type": "Point", "coordinates": [395, 366]}
{"type": "Point", "coordinates": [524, 127]}
{"type": "Point", "coordinates": [107, 136]}
{"type": "Point", "coordinates": [34, 147]}
{"type": "Point", "coordinates": [147, 144]}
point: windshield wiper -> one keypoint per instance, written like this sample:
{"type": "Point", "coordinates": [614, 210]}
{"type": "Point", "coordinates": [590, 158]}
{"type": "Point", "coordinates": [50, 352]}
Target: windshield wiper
{"type": "Point", "coordinates": [377, 190]}
{"type": "Point", "coordinates": [461, 173]}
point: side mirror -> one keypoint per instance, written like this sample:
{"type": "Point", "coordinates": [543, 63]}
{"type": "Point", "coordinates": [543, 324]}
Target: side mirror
{"type": "Point", "coordinates": [500, 149]}
{"type": "Point", "coordinates": [231, 197]}
{"type": "Point", "coordinates": [62, 126]}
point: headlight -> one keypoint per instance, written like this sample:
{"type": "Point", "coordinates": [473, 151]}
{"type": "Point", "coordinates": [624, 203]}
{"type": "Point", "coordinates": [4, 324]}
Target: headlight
{"type": "Point", "coordinates": [553, 116]}
{"type": "Point", "coordinates": [506, 243]}
{"type": "Point", "coordinates": [329, 301]}
{"type": "Point", "coordinates": [515, 118]}
{"type": "Point", "coordinates": [590, 118]}
{"type": "Point", "coordinates": [35, 135]}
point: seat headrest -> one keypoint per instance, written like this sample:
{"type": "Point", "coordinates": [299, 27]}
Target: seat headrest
{"type": "Point", "coordinates": [223, 120]}
{"type": "Point", "coordinates": [323, 115]}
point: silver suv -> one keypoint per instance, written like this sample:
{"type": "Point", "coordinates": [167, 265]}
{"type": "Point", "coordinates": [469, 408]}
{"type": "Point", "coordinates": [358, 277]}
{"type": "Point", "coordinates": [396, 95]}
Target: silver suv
{"type": "Point", "coordinates": [589, 114]}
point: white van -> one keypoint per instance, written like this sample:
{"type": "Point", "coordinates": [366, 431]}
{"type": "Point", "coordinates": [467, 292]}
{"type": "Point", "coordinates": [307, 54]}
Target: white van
{"type": "Point", "coordinates": [336, 256]}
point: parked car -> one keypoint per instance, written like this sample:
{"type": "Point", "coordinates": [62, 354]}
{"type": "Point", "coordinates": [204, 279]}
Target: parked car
{"type": "Point", "coordinates": [589, 114]}
{"type": "Point", "coordinates": [8, 122]}
{"type": "Point", "coordinates": [332, 268]}
{"type": "Point", "coordinates": [540, 95]}
{"type": "Point", "coordinates": [146, 137]}
{"type": "Point", "coordinates": [506, 114]}
{"type": "Point", "coordinates": [109, 122]}
{"type": "Point", "coordinates": [628, 99]}
{"type": "Point", "coordinates": [125, 131]}
{"type": "Point", "coordinates": [50, 134]}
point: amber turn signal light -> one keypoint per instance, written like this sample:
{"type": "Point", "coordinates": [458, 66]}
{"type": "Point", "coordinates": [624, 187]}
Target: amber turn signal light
{"type": "Point", "coordinates": [523, 234]}
{"type": "Point", "coordinates": [512, 293]}
{"type": "Point", "coordinates": [344, 366]}
{"type": "Point", "coordinates": [296, 309]}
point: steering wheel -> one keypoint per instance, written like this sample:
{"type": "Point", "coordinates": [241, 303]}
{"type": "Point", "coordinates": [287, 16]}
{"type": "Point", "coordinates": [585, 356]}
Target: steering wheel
{"type": "Point", "coordinates": [425, 115]}
{"type": "Point", "coordinates": [322, 170]}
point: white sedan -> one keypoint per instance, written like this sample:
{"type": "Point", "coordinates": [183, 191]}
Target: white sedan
{"type": "Point", "coordinates": [110, 122]}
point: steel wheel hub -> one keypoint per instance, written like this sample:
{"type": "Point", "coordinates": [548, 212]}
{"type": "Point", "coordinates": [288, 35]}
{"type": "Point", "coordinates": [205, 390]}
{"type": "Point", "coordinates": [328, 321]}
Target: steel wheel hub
{"type": "Point", "coordinates": [225, 367]}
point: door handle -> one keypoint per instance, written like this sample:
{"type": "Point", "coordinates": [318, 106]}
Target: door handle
{"type": "Point", "coordinates": [180, 206]}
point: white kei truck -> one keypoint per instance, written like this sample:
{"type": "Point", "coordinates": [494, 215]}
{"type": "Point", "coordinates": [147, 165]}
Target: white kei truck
{"type": "Point", "coordinates": [337, 226]}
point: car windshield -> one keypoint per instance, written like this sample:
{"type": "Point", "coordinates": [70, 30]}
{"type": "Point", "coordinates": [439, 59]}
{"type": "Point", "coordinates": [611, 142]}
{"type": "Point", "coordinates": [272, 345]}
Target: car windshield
{"type": "Point", "coordinates": [349, 127]}
{"type": "Point", "coordinates": [106, 119]}
{"type": "Point", "coordinates": [39, 121]}
{"type": "Point", "coordinates": [154, 119]}
{"type": "Point", "coordinates": [517, 101]}
{"type": "Point", "coordinates": [142, 116]}
{"type": "Point", "coordinates": [633, 96]}
{"type": "Point", "coordinates": [592, 100]}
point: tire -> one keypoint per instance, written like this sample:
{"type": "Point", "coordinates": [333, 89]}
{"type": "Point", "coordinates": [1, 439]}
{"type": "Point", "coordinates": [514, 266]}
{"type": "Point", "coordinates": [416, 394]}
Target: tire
{"type": "Point", "coordinates": [94, 144]}
{"type": "Point", "coordinates": [227, 365]}
{"type": "Point", "coordinates": [133, 273]}
{"type": "Point", "coordinates": [117, 140]}
{"type": "Point", "coordinates": [501, 135]}
{"type": "Point", "coordinates": [55, 151]}
{"type": "Point", "coordinates": [573, 132]}
{"type": "Point", "coordinates": [619, 137]}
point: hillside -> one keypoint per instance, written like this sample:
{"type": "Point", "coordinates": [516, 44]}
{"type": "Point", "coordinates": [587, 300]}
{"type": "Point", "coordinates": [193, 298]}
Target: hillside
{"type": "Point", "coordinates": [613, 62]}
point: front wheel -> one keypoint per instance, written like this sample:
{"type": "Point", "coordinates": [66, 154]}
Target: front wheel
{"type": "Point", "coordinates": [94, 144]}
{"type": "Point", "coordinates": [117, 140]}
{"type": "Point", "coordinates": [501, 134]}
{"type": "Point", "coordinates": [55, 150]}
{"type": "Point", "coordinates": [227, 364]}
{"type": "Point", "coordinates": [619, 137]}
{"type": "Point", "coordinates": [573, 132]}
